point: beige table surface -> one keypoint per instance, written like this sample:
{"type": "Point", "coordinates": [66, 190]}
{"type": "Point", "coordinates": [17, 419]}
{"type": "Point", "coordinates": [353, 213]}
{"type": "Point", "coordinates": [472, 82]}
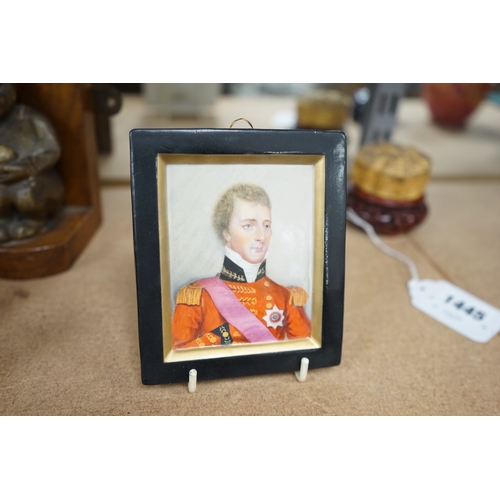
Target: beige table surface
{"type": "Point", "coordinates": [69, 343]}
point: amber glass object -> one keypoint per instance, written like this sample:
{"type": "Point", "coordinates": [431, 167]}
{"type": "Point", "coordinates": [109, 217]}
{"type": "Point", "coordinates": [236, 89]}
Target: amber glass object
{"type": "Point", "coordinates": [388, 186]}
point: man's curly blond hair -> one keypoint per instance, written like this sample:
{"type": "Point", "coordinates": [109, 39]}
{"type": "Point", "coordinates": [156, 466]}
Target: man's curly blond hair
{"type": "Point", "coordinates": [225, 206]}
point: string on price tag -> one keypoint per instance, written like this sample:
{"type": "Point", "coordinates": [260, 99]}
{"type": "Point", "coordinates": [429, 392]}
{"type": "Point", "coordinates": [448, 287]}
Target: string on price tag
{"type": "Point", "coordinates": [450, 305]}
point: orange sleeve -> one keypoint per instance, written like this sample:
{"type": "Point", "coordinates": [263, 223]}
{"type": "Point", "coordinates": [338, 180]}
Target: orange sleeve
{"type": "Point", "coordinates": [297, 323]}
{"type": "Point", "coordinates": [188, 323]}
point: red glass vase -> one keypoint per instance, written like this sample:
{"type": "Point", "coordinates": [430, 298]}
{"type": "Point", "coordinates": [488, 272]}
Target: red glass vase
{"type": "Point", "coordinates": [452, 103]}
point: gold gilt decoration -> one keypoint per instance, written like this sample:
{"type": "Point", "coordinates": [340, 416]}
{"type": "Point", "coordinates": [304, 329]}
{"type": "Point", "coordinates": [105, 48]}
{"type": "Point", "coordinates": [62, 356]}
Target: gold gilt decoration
{"type": "Point", "coordinates": [391, 172]}
{"type": "Point", "coordinates": [262, 271]}
{"type": "Point", "coordinates": [298, 296]}
{"type": "Point", "coordinates": [242, 289]}
{"type": "Point", "coordinates": [232, 275]}
{"type": "Point", "coordinates": [190, 295]}
{"type": "Point", "coordinates": [324, 109]}
{"type": "Point", "coordinates": [248, 300]}
{"type": "Point", "coordinates": [253, 311]}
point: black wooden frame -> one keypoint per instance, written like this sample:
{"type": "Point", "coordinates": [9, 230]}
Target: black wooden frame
{"type": "Point", "coordinates": [145, 146]}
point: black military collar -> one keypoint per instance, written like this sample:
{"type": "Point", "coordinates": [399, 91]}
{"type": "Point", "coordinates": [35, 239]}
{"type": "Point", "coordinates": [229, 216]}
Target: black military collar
{"type": "Point", "coordinates": [233, 272]}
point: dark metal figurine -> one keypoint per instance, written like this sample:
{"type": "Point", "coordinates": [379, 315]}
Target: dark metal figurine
{"type": "Point", "coordinates": [31, 191]}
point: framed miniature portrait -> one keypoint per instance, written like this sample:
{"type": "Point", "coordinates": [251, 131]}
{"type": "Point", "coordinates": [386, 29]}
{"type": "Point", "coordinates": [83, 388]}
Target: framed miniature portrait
{"type": "Point", "coordinates": [239, 239]}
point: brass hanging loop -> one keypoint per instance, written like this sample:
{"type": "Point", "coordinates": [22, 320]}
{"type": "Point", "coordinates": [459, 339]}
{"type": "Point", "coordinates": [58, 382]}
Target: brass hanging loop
{"type": "Point", "coordinates": [238, 119]}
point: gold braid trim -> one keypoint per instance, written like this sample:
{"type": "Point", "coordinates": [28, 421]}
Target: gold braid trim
{"type": "Point", "coordinates": [298, 296]}
{"type": "Point", "coordinates": [232, 275]}
{"type": "Point", "coordinates": [248, 300]}
{"type": "Point", "coordinates": [241, 289]}
{"type": "Point", "coordinates": [190, 295]}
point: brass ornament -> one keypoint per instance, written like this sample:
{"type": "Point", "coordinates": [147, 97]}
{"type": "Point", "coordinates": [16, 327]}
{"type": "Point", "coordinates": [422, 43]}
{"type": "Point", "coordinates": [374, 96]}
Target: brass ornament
{"type": "Point", "coordinates": [238, 119]}
{"type": "Point", "coordinates": [390, 171]}
{"type": "Point", "coordinates": [324, 109]}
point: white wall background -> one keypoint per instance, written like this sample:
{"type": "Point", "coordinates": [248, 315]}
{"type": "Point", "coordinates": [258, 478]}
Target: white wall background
{"type": "Point", "coordinates": [195, 251]}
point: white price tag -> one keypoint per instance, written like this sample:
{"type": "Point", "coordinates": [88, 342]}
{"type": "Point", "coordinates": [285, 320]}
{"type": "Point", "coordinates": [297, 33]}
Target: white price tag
{"type": "Point", "coordinates": [457, 309]}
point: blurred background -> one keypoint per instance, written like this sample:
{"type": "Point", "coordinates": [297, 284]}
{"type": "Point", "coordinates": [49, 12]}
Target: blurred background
{"type": "Point", "coordinates": [456, 125]}
{"type": "Point", "coordinates": [399, 136]}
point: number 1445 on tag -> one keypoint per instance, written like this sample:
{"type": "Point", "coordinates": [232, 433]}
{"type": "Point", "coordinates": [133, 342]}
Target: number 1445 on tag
{"type": "Point", "coordinates": [457, 309]}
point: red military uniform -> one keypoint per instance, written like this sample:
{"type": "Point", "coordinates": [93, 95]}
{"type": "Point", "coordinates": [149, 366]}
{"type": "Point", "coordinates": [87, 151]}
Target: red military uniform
{"type": "Point", "coordinates": [198, 323]}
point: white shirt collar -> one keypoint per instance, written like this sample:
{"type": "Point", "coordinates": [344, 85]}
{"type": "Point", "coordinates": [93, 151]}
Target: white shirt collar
{"type": "Point", "coordinates": [249, 269]}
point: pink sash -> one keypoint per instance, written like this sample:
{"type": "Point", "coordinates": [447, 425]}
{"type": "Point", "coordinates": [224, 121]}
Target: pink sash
{"type": "Point", "coordinates": [235, 312]}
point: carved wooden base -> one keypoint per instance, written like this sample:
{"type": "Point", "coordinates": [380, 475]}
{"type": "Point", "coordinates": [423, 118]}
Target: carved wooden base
{"type": "Point", "coordinates": [70, 108]}
{"type": "Point", "coordinates": [387, 216]}
{"type": "Point", "coordinates": [54, 249]}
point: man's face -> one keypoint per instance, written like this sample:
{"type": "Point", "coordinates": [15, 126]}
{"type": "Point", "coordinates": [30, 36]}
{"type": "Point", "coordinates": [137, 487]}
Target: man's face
{"type": "Point", "coordinates": [249, 231]}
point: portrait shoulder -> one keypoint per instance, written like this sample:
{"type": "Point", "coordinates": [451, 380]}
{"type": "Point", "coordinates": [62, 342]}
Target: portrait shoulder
{"type": "Point", "coordinates": [298, 296]}
{"type": "Point", "coordinates": [190, 295]}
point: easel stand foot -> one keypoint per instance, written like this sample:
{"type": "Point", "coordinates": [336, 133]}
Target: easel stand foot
{"type": "Point", "coordinates": [304, 366]}
{"type": "Point", "coordinates": [192, 380]}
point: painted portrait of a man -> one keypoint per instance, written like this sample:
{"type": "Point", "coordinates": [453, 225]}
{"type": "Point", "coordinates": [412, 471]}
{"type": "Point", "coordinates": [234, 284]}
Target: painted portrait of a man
{"type": "Point", "coordinates": [241, 304]}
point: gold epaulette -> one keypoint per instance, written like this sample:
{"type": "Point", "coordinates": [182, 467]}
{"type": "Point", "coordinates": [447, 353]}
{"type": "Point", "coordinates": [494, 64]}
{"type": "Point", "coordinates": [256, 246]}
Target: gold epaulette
{"type": "Point", "coordinates": [190, 295]}
{"type": "Point", "coordinates": [298, 296]}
